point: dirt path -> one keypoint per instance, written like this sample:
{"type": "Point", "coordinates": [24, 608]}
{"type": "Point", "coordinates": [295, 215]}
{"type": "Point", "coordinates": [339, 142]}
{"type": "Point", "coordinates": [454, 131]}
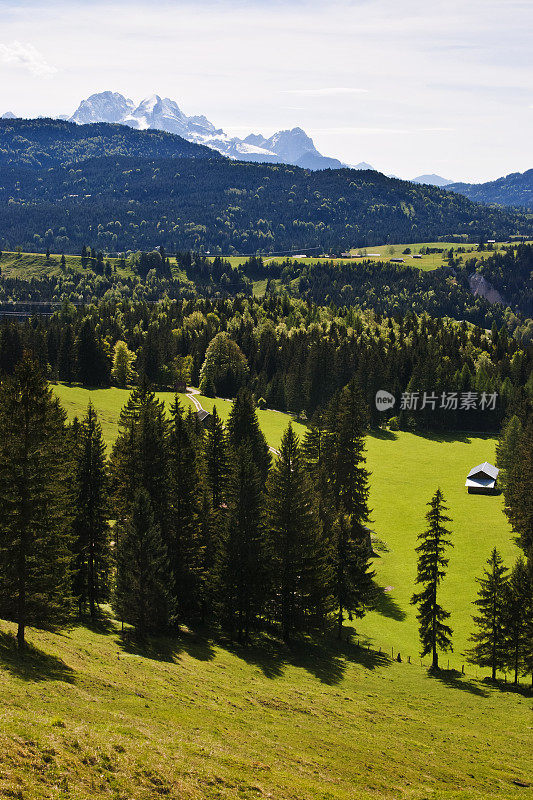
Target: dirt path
{"type": "Point", "coordinates": [192, 392]}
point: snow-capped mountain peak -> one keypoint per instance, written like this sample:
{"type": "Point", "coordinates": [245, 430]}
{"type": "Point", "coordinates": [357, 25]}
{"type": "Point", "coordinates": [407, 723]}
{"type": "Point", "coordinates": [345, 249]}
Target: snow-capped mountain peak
{"type": "Point", "coordinates": [288, 146]}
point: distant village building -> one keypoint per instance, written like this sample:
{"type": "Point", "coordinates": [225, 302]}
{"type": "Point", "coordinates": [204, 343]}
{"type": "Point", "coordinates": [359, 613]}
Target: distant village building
{"type": "Point", "coordinates": [203, 416]}
{"type": "Point", "coordinates": [482, 479]}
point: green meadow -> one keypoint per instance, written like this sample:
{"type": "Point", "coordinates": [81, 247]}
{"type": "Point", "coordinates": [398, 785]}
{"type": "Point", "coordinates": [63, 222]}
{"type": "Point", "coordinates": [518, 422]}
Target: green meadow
{"type": "Point", "coordinates": [88, 714]}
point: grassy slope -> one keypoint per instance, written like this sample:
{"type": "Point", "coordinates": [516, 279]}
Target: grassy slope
{"type": "Point", "coordinates": [108, 403]}
{"type": "Point", "coordinates": [406, 470]}
{"type": "Point", "coordinates": [193, 719]}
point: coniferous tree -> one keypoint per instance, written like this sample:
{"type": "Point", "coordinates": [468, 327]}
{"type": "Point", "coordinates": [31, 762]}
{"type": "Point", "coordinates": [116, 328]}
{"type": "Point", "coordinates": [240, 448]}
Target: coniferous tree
{"type": "Point", "coordinates": [346, 463]}
{"type": "Point", "coordinates": [184, 494]}
{"type": "Point", "coordinates": [93, 363]}
{"type": "Point", "coordinates": [139, 458]}
{"type": "Point", "coordinates": [243, 426]}
{"type": "Point", "coordinates": [143, 591]}
{"type": "Point", "coordinates": [517, 614]}
{"type": "Point", "coordinates": [435, 635]}
{"type": "Point", "coordinates": [519, 489]}
{"type": "Point", "coordinates": [489, 649]}
{"type": "Point", "coordinates": [92, 560]}
{"type": "Point", "coordinates": [35, 503]}
{"type": "Point", "coordinates": [243, 554]}
{"type": "Point", "coordinates": [216, 459]}
{"type": "Point", "coordinates": [298, 552]}
{"type": "Point", "coordinates": [507, 447]}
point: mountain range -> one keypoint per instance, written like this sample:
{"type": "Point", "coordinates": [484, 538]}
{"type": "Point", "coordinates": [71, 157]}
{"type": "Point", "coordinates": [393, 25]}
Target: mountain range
{"type": "Point", "coordinates": [292, 146]}
{"type": "Point", "coordinates": [286, 147]}
{"type": "Point", "coordinates": [515, 189]}
{"type": "Point", "coordinates": [105, 184]}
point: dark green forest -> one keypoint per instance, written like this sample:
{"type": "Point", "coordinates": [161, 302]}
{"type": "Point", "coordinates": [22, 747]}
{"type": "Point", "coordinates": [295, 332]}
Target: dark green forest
{"type": "Point", "coordinates": [56, 192]}
{"type": "Point", "coordinates": [515, 189]}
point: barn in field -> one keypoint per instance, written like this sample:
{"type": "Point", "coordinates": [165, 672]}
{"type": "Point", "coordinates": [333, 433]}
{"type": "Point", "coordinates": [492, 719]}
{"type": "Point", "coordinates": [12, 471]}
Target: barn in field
{"type": "Point", "coordinates": [483, 479]}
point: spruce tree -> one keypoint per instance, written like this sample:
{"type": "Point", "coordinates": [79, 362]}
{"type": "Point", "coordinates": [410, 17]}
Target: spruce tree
{"type": "Point", "coordinates": [299, 553]}
{"type": "Point", "coordinates": [139, 458]}
{"type": "Point", "coordinates": [143, 591]}
{"type": "Point", "coordinates": [183, 506]}
{"type": "Point", "coordinates": [346, 463]}
{"type": "Point", "coordinates": [489, 648]}
{"type": "Point", "coordinates": [517, 614]}
{"type": "Point", "coordinates": [216, 459]}
{"type": "Point", "coordinates": [243, 426]}
{"type": "Point", "coordinates": [243, 553]}
{"type": "Point", "coordinates": [507, 447]}
{"type": "Point", "coordinates": [35, 503]}
{"type": "Point", "coordinates": [435, 635]}
{"type": "Point", "coordinates": [519, 490]}
{"type": "Point", "coordinates": [92, 559]}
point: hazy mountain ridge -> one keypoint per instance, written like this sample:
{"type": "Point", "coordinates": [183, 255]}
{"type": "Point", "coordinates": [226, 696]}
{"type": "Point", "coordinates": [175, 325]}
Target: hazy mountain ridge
{"type": "Point", "coordinates": [515, 189]}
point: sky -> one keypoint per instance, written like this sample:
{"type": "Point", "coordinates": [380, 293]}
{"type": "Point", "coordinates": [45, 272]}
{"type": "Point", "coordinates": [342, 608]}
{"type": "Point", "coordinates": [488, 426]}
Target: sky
{"type": "Point", "coordinates": [411, 87]}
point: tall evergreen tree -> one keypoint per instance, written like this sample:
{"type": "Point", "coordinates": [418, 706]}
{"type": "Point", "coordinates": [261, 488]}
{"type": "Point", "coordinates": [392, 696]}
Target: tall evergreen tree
{"type": "Point", "coordinates": [299, 553]}
{"type": "Point", "coordinates": [517, 615]}
{"type": "Point", "coordinates": [346, 463]}
{"type": "Point", "coordinates": [92, 560]}
{"type": "Point", "coordinates": [35, 469]}
{"type": "Point", "coordinates": [93, 363]}
{"type": "Point", "coordinates": [139, 458]}
{"type": "Point", "coordinates": [489, 649]}
{"type": "Point", "coordinates": [435, 635]}
{"type": "Point", "coordinates": [243, 555]}
{"type": "Point", "coordinates": [143, 591]}
{"type": "Point", "coordinates": [184, 494]}
{"type": "Point", "coordinates": [243, 426]}
{"type": "Point", "coordinates": [216, 459]}
{"type": "Point", "coordinates": [519, 489]}
{"type": "Point", "coordinates": [507, 447]}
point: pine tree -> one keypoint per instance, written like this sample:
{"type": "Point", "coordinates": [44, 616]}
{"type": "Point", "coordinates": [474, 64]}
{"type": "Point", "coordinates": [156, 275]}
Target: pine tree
{"type": "Point", "coordinates": [299, 553]}
{"type": "Point", "coordinates": [519, 490]}
{"type": "Point", "coordinates": [184, 492]}
{"type": "Point", "coordinates": [346, 463]}
{"type": "Point", "coordinates": [92, 560]}
{"type": "Point", "coordinates": [489, 648]}
{"type": "Point", "coordinates": [243, 554]}
{"type": "Point", "coordinates": [434, 633]}
{"type": "Point", "coordinates": [143, 592]}
{"type": "Point", "coordinates": [93, 363]}
{"type": "Point", "coordinates": [507, 447]}
{"type": "Point", "coordinates": [35, 470]}
{"type": "Point", "coordinates": [216, 459]}
{"type": "Point", "coordinates": [517, 614]}
{"type": "Point", "coordinates": [139, 458]}
{"type": "Point", "coordinates": [243, 426]}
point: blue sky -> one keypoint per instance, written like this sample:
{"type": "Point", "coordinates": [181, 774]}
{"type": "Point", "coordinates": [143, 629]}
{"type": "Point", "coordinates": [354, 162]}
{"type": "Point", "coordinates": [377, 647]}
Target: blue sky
{"type": "Point", "coordinates": [410, 86]}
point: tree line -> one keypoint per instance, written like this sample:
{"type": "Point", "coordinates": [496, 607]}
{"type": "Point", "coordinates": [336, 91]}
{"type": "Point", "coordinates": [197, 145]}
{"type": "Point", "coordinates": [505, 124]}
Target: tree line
{"type": "Point", "coordinates": [292, 354]}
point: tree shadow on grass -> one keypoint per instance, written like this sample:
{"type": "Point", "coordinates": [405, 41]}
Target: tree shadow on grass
{"type": "Point", "coordinates": [168, 648]}
{"type": "Point", "coordinates": [33, 664]}
{"type": "Point", "coordinates": [455, 680]}
{"type": "Point", "coordinates": [325, 658]}
{"type": "Point", "coordinates": [387, 606]}
{"type": "Point", "coordinates": [511, 688]}
{"type": "Point", "coordinates": [383, 433]}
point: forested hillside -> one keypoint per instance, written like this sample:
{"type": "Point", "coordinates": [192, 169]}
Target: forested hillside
{"type": "Point", "coordinates": [119, 202]}
{"type": "Point", "coordinates": [44, 143]}
{"type": "Point", "coordinates": [515, 189]}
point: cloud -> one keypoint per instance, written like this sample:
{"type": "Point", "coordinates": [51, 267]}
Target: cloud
{"type": "Point", "coordinates": [330, 91]}
{"type": "Point", "coordinates": [26, 56]}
